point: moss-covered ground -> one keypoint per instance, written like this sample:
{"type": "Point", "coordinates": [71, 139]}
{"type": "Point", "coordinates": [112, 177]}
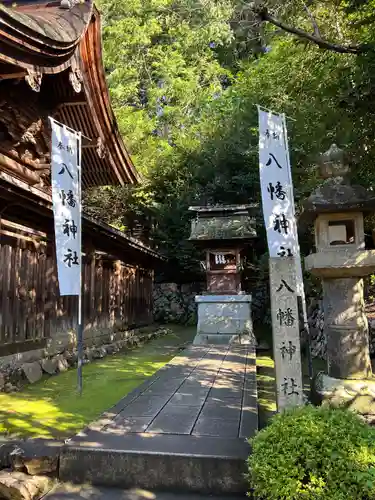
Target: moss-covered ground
{"type": "Point", "coordinates": [51, 408]}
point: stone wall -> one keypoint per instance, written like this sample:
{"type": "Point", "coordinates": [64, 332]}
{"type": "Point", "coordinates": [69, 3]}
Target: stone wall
{"type": "Point", "coordinates": [61, 341]}
{"type": "Point", "coordinates": [315, 316]}
{"type": "Point", "coordinates": [175, 303]}
{"type": "Point", "coordinates": [260, 303]}
{"type": "Point", "coordinates": [16, 371]}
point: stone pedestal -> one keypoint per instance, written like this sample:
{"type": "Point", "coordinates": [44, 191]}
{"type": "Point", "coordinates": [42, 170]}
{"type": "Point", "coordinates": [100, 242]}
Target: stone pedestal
{"type": "Point", "coordinates": [346, 329]}
{"type": "Point", "coordinates": [224, 319]}
{"type": "Point", "coordinates": [349, 382]}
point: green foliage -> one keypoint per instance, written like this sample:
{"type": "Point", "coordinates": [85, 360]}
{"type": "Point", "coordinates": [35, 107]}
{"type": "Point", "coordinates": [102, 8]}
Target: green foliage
{"type": "Point", "coordinates": [313, 453]}
{"type": "Point", "coordinates": [185, 77]}
{"type": "Point", "coordinates": [162, 69]}
{"type": "Point", "coordinates": [121, 207]}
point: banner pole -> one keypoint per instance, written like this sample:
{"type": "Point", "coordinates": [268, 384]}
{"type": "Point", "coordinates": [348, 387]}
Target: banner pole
{"type": "Point", "coordinates": [80, 318]}
{"type": "Point", "coordinates": [80, 343]}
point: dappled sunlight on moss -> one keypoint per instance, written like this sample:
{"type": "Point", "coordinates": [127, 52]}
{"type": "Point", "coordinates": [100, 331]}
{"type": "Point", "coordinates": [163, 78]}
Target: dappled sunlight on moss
{"type": "Point", "coordinates": [20, 415]}
{"type": "Point", "coordinates": [266, 388]}
{"type": "Point", "coordinates": [265, 361]}
{"type": "Point", "coordinates": [52, 407]}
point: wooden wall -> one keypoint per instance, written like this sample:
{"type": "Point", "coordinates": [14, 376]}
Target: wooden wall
{"type": "Point", "coordinates": [115, 295]}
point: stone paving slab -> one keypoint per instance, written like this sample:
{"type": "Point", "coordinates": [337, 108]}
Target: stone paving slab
{"type": "Point", "coordinates": [166, 462]}
{"type": "Point", "coordinates": [219, 383]}
{"type": "Point", "coordinates": [145, 406]}
{"type": "Point", "coordinates": [175, 419]}
{"type": "Point", "coordinates": [161, 386]}
{"type": "Point", "coordinates": [206, 426]}
{"type": "Point", "coordinates": [192, 419]}
{"type": "Point", "coordinates": [122, 425]}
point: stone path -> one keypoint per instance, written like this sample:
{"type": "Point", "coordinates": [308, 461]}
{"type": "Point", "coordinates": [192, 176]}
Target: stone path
{"type": "Point", "coordinates": [186, 426]}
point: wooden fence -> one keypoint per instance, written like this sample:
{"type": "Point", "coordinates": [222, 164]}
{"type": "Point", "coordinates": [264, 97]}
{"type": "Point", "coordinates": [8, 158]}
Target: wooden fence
{"type": "Point", "coordinates": [115, 295]}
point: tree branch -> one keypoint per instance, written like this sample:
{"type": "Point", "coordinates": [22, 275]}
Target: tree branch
{"type": "Point", "coordinates": [313, 21]}
{"type": "Point", "coordinates": [264, 15]}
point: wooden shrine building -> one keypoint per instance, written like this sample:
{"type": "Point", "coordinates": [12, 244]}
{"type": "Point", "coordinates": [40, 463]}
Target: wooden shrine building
{"type": "Point", "coordinates": [51, 65]}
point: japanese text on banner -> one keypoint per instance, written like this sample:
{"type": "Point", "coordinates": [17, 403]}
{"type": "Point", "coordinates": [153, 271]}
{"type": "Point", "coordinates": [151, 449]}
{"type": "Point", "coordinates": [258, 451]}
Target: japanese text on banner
{"type": "Point", "coordinates": [66, 198]}
{"type": "Point", "coordinates": [275, 180]}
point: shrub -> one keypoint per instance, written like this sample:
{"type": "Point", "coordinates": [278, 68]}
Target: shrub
{"type": "Point", "coordinates": [313, 453]}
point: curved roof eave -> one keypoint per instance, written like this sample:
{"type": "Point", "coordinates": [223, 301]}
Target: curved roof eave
{"type": "Point", "coordinates": [42, 39]}
{"type": "Point", "coordinates": [99, 101]}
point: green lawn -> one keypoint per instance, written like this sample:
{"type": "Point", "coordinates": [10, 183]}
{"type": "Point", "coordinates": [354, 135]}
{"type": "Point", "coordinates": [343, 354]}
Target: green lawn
{"type": "Point", "coordinates": [51, 408]}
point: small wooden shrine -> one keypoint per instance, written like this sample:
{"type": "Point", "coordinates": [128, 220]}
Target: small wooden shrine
{"type": "Point", "coordinates": [224, 311]}
{"type": "Point", "coordinates": [224, 232]}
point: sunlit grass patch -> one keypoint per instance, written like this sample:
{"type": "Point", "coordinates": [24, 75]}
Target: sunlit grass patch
{"type": "Point", "coordinates": [52, 408]}
{"type": "Point", "coordinates": [266, 388]}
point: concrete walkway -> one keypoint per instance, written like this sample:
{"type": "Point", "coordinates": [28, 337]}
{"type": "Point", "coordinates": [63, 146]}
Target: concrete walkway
{"type": "Point", "coordinates": [185, 428]}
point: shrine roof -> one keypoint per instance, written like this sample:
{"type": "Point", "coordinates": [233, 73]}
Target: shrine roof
{"type": "Point", "coordinates": [42, 34]}
{"type": "Point", "coordinates": [34, 211]}
{"type": "Point", "coordinates": [58, 51]}
{"type": "Point", "coordinates": [224, 227]}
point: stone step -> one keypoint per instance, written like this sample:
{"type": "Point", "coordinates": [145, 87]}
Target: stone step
{"type": "Point", "coordinates": [69, 491]}
{"type": "Point", "coordinates": [184, 429]}
{"type": "Point", "coordinates": [171, 463]}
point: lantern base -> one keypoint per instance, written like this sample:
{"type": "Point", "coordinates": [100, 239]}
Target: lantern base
{"type": "Point", "coordinates": [355, 395]}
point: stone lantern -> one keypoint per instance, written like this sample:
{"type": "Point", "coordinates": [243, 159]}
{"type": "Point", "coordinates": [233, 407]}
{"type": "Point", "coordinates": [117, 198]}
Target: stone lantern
{"type": "Point", "coordinates": [341, 261]}
{"type": "Point", "coordinates": [224, 311]}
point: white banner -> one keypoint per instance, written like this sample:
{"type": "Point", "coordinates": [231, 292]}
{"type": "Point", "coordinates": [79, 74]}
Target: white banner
{"type": "Point", "coordinates": [276, 186]}
{"type": "Point", "coordinates": [66, 198]}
